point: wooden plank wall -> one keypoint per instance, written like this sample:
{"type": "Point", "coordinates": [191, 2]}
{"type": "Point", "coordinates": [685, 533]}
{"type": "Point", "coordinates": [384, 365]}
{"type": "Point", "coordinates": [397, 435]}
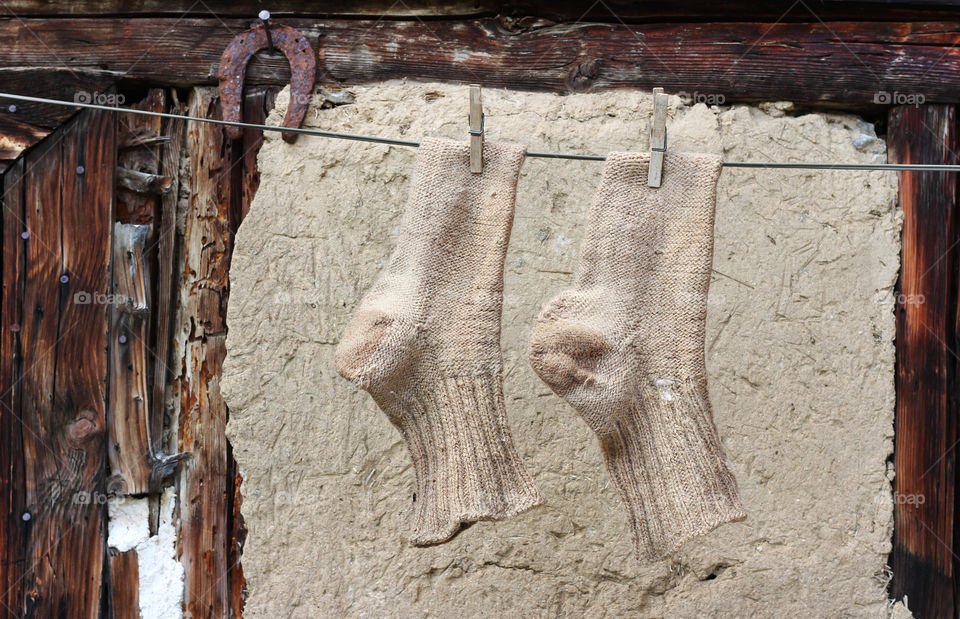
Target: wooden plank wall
{"type": "Point", "coordinates": [557, 10]}
{"type": "Point", "coordinates": [924, 559]}
{"type": "Point", "coordinates": [57, 209]}
{"type": "Point", "coordinates": [54, 332]}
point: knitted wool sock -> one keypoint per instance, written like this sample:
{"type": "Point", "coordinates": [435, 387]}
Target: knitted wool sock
{"type": "Point", "coordinates": [425, 340]}
{"type": "Point", "coordinates": [625, 347]}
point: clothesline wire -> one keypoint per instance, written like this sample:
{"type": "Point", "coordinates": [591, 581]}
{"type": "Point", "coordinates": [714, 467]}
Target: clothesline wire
{"type": "Point", "coordinates": [916, 167]}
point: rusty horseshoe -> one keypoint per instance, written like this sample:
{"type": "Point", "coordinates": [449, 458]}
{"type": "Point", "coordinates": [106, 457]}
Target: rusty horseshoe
{"type": "Point", "coordinates": [233, 65]}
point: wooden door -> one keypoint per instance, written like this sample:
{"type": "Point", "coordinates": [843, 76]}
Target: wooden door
{"type": "Point", "coordinates": [57, 207]}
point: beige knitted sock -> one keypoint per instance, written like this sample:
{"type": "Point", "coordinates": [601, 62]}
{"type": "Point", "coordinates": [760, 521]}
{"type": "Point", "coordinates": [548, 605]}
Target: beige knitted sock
{"type": "Point", "coordinates": [625, 347]}
{"type": "Point", "coordinates": [425, 340]}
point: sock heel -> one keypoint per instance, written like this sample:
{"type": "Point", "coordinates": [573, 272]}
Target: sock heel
{"type": "Point", "coordinates": [372, 348]}
{"type": "Point", "coordinates": [565, 353]}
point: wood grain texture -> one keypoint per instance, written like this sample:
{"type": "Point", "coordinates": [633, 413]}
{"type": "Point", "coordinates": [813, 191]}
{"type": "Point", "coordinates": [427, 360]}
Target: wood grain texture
{"type": "Point", "coordinates": [64, 364]}
{"type": "Point", "coordinates": [137, 198]}
{"type": "Point", "coordinates": [13, 529]}
{"type": "Point", "coordinates": [811, 61]}
{"type": "Point", "coordinates": [24, 124]}
{"type": "Point", "coordinates": [610, 10]}
{"type": "Point", "coordinates": [257, 104]}
{"type": "Point", "coordinates": [124, 584]}
{"type": "Point", "coordinates": [162, 315]}
{"type": "Point", "coordinates": [839, 62]}
{"type": "Point", "coordinates": [199, 350]}
{"type": "Point", "coordinates": [923, 558]}
{"type": "Point", "coordinates": [130, 452]}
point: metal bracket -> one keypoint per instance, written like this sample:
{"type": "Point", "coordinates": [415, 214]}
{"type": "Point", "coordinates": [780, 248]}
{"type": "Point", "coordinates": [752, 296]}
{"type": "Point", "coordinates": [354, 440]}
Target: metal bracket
{"type": "Point", "coordinates": [233, 66]}
{"type": "Point", "coordinates": [476, 131]}
{"type": "Point", "coordinates": [657, 149]}
{"type": "Point", "coordinates": [475, 120]}
{"type": "Point", "coordinates": [658, 138]}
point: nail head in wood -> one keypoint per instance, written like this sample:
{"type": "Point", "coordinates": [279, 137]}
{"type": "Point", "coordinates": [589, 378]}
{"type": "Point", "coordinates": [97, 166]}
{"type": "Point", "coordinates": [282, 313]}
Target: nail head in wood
{"type": "Point", "coordinates": [476, 130]}
{"type": "Point", "coordinates": [658, 138]}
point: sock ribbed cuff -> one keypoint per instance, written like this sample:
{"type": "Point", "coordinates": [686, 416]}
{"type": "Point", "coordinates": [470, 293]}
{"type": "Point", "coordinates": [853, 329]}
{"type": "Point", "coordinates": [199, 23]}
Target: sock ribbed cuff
{"type": "Point", "coordinates": [466, 465]}
{"type": "Point", "coordinates": [667, 463]}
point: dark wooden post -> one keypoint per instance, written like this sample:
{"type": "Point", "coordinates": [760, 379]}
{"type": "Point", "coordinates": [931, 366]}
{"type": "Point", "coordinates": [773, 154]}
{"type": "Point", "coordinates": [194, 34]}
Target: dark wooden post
{"type": "Point", "coordinates": [12, 488]}
{"type": "Point", "coordinates": [926, 450]}
{"type": "Point", "coordinates": [199, 350]}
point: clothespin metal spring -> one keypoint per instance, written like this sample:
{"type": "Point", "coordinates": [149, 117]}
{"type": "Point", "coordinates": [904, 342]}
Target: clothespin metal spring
{"type": "Point", "coordinates": [476, 121]}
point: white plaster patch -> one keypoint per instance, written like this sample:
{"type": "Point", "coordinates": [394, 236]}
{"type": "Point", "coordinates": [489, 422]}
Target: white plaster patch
{"type": "Point", "coordinates": [129, 523]}
{"type": "Point", "coordinates": [160, 574]}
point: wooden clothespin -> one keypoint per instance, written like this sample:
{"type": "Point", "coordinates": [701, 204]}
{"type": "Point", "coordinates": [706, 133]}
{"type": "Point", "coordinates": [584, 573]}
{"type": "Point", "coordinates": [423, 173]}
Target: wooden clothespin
{"type": "Point", "coordinates": [658, 138]}
{"type": "Point", "coordinates": [476, 130]}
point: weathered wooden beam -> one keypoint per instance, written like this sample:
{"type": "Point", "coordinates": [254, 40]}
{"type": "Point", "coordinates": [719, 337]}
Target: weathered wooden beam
{"type": "Point", "coordinates": [128, 418]}
{"type": "Point", "coordinates": [23, 124]}
{"type": "Point", "coordinates": [124, 584]}
{"type": "Point", "coordinates": [238, 538]}
{"type": "Point", "coordinates": [610, 10]}
{"type": "Point", "coordinates": [839, 62]}
{"type": "Point", "coordinates": [927, 381]}
{"type": "Point", "coordinates": [164, 307]}
{"type": "Point", "coordinates": [69, 184]}
{"type": "Point", "coordinates": [256, 106]}
{"type": "Point", "coordinates": [139, 161]}
{"type": "Point", "coordinates": [143, 183]}
{"type": "Point", "coordinates": [13, 528]}
{"type": "Point", "coordinates": [199, 350]}
{"type": "Point", "coordinates": [846, 62]}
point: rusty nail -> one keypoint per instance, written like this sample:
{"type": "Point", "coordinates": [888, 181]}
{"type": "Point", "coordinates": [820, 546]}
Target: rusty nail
{"type": "Point", "coordinates": [15, 328]}
{"type": "Point", "coordinates": [265, 20]}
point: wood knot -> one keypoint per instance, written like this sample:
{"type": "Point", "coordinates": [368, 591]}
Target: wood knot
{"type": "Point", "coordinates": [520, 25]}
{"type": "Point", "coordinates": [83, 427]}
{"type": "Point", "coordinates": [116, 485]}
{"type": "Point", "coordinates": [582, 74]}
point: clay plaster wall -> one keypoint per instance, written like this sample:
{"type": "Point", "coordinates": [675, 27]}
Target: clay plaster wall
{"type": "Point", "coordinates": [799, 351]}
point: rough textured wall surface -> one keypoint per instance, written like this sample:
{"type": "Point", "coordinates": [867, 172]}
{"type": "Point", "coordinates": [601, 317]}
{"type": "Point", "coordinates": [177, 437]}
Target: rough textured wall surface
{"type": "Point", "coordinates": [799, 351]}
